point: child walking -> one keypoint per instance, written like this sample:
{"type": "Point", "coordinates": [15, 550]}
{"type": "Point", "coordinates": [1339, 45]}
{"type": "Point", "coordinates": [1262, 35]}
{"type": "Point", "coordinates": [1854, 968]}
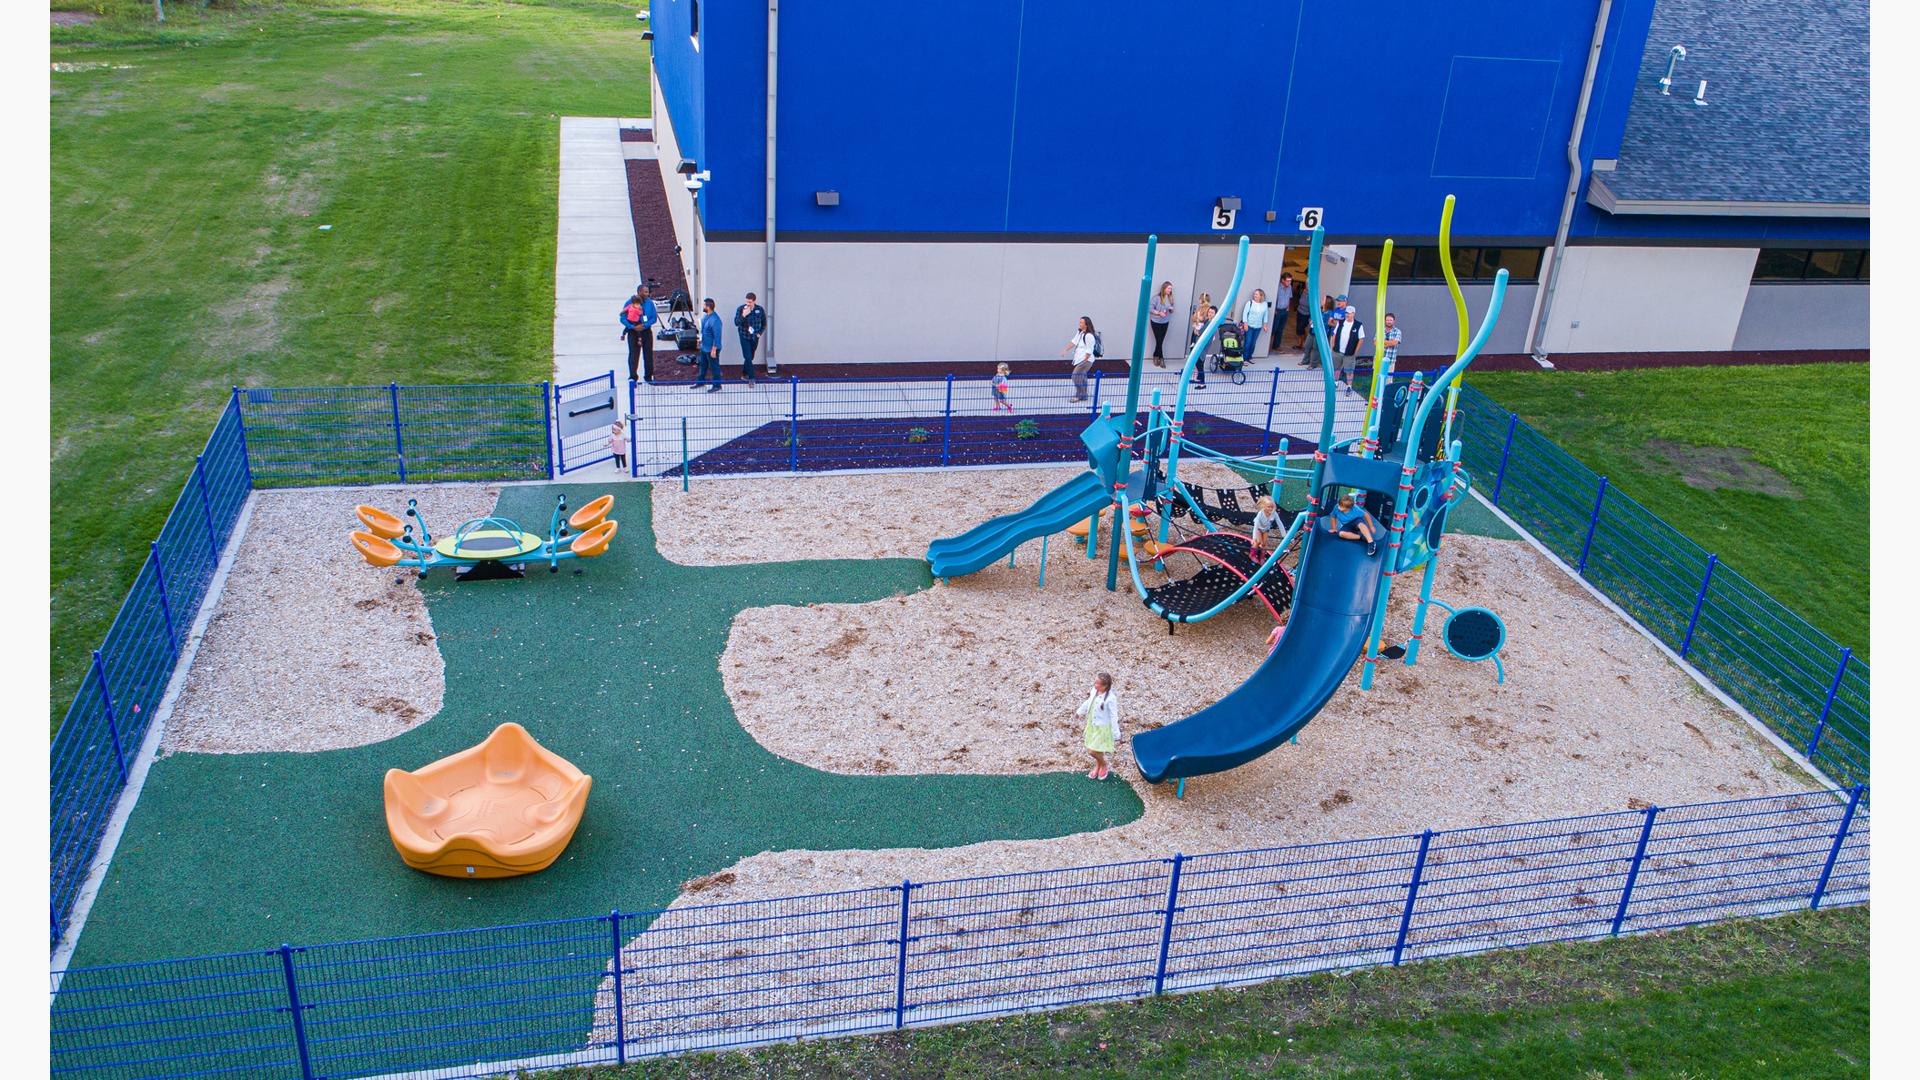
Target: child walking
{"type": "Point", "coordinates": [1103, 724]}
{"type": "Point", "coordinates": [1265, 524]}
{"type": "Point", "coordinates": [617, 442]}
{"type": "Point", "coordinates": [1000, 389]}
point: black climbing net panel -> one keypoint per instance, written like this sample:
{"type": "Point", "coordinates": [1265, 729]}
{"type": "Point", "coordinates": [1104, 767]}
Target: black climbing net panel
{"type": "Point", "coordinates": [1226, 563]}
{"type": "Point", "coordinates": [1225, 507]}
{"type": "Point", "coordinates": [1474, 633]}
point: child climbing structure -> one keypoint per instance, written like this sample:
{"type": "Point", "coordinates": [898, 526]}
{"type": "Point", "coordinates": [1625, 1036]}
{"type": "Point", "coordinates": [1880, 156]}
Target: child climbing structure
{"type": "Point", "coordinates": [1404, 470]}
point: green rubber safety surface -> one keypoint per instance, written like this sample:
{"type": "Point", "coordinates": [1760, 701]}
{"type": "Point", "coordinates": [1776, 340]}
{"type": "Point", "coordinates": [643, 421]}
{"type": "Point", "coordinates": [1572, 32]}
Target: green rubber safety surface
{"type": "Point", "coordinates": [615, 668]}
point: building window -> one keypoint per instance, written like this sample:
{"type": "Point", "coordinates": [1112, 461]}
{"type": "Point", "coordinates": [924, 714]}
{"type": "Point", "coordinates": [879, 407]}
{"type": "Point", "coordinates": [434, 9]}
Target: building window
{"type": "Point", "coordinates": [1795, 264]}
{"type": "Point", "coordinates": [1421, 265]}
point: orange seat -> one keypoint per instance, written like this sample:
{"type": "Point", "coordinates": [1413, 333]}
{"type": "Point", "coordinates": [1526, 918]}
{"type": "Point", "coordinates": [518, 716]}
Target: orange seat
{"type": "Point", "coordinates": [506, 807]}
{"type": "Point", "coordinates": [375, 549]}
{"type": "Point", "coordinates": [379, 522]}
{"type": "Point", "coordinates": [1079, 528]}
{"type": "Point", "coordinates": [594, 541]}
{"type": "Point", "coordinates": [591, 514]}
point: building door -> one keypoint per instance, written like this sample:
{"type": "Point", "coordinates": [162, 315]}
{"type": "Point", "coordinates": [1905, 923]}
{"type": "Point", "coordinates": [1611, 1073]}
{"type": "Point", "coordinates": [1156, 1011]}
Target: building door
{"type": "Point", "coordinates": [1212, 273]}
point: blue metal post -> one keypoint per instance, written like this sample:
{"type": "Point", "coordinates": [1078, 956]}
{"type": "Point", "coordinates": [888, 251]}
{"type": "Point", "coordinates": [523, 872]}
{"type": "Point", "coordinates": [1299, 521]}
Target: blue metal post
{"type": "Point", "coordinates": [619, 996]}
{"type": "Point", "coordinates": [793, 423]}
{"type": "Point", "coordinates": [546, 423]}
{"type": "Point", "coordinates": [1273, 398]}
{"type": "Point", "coordinates": [1513, 421]}
{"type": "Point", "coordinates": [946, 431]}
{"type": "Point", "coordinates": [1593, 520]}
{"type": "Point", "coordinates": [1846, 655]}
{"type": "Point", "coordinates": [900, 971]}
{"type": "Point", "coordinates": [685, 465]}
{"type": "Point", "coordinates": [1413, 894]}
{"type": "Point", "coordinates": [633, 430]}
{"type": "Point", "coordinates": [399, 447]}
{"type": "Point", "coordinates": [1166, 927]}
{"type": "Point", "coordinates": [1633, 871]}
{"type": "Point", "coordinates": [240, 426]}
{"type": "Point", "coordinates": [294, 1007]}
{"type": "Point", "coordinates": [1698, 600]}
{"type": "Point", "coordinates": [1839, 841]}
{"type": "Point", "coordinates": [1043, 562]}
{"type": "Point", "coordinates": [206, 509]}
{"type": "Point", "coordinates": [166, 606]}
{"type": "Point", "coordinates": [1096, 394]}
{"type": "Point", "coordinates": [113, 728]}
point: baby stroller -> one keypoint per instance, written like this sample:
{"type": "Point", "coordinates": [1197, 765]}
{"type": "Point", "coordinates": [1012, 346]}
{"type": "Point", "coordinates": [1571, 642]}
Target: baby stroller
{"type": "Point", "coordinates": [1231, 357]}
{"type": "Point", "coordinates": [678, 327]}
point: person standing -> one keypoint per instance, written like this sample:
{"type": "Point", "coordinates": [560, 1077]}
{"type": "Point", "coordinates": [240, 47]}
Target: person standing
{"type": "Point", "coordinates": [1159, 315]}
{"type": "Point", "coordinates": [1283, 302]}
{"type": "Point", "coordinates": [1102, 731]}
{"type": "Point", "coordinates": [1347, 337]}
{"type": "Point", "coordinates": [1253, 322]}
{"type": "Point", "coordinates": [1389, 342]}
{"type": "Point", "coordinates": [1082, 349]}
{"type": "Point", "coordinates": [709, 348]}
{"type": "Point", "coordinates": [637, 319]}
{"type": "Point", "coordinates": [751, 320]}
{"type": "Point", "coordinates": [1201, 307]}
{"type": "Point", "coordinates": [1200, 319]}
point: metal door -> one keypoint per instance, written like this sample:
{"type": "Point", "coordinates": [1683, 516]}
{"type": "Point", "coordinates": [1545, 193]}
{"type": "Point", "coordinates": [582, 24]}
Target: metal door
{"type": "Point", "coordinates": [583, 414]}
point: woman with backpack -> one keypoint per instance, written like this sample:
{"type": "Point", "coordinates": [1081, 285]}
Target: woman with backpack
{"type": "Point", "coordinates": [1083, 349]}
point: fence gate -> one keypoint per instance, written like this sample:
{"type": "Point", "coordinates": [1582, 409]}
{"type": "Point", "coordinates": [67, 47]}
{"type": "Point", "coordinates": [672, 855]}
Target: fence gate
{"type": "Point", "coordinates": [583, 413]}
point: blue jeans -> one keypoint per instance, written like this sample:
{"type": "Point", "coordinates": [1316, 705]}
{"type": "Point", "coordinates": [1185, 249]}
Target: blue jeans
{"type": "Point", "coordinates": [747, 344]}
{"type": "Point", "coordinates": [709, 370]}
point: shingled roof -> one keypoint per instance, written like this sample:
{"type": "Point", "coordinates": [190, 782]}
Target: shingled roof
{"type": "Point", "coordinates": [1784, 128]}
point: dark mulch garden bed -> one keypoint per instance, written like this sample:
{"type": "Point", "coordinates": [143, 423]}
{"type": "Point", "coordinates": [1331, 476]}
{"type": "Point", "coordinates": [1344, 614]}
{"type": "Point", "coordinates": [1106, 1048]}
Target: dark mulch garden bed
{"type": "Point", "coordinates": [927, 442]}
{"type": "Point", "coordinates": [653, 227]}
{"type": "Point", "coordinates": [636, 135]}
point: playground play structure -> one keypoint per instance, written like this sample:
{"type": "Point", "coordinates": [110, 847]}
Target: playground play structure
{"type": "Point", "coordinates": [503, 808]}
{"type": "Point", "coordinates": [484, 548]}
{"type": "Point", "coordinates": [1404, 470]}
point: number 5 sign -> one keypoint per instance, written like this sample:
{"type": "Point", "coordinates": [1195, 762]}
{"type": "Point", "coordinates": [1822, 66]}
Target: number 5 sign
{"type": "Point", "coordinates": [1311, 217]}
{"type": "Point", "coordinates": [1223, 218]}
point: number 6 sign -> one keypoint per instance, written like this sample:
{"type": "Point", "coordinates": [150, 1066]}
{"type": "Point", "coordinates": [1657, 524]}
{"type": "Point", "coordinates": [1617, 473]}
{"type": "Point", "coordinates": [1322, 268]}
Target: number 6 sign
{"type": "Point", "coordinates": [1311, 217]}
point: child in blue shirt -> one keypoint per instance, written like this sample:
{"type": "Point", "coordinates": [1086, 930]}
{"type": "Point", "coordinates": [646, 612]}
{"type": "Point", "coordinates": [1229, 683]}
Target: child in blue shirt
{"type": "Point", "coordinates": [1352, 522]}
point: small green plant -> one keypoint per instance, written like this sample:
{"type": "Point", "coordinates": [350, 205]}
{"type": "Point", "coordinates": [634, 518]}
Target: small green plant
{"type": "Point", "coordinates": [919, 435]}
{"type": "Point", "coordinates": [1027, 429]}
{"type": "Point", "coordinates": [792, 438]}
{"type": "Point", "coordinates": [1202, 429]}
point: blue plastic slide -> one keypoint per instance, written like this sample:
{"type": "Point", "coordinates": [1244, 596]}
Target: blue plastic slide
{"type": "Point", "coordinates": [1332, 609]}
{"type": "Point", "coordinates": [1076, 500]}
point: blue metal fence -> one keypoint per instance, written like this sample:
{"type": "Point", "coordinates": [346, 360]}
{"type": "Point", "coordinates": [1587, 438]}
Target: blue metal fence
{"type": "Point", "coordinates": [95, 750]}
{"type": "Point", "coordinates": [1802, 684]}
{"type": "Point", "coordinates": [617, 987]}
{"type": "Point", "coordinates": [304, 436]}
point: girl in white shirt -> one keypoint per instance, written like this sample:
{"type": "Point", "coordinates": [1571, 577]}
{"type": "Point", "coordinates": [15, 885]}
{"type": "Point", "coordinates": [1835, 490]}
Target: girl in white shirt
{"type": "Point", "coordinates": [1082, 347]}
{"type": "Point", "coordinates": [1102, 731]}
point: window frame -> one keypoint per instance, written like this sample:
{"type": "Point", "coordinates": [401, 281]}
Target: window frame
{"type": "Point", "coordinates": [1862, 270]}
{"type": "Point", "coordinates": [1416, 264]}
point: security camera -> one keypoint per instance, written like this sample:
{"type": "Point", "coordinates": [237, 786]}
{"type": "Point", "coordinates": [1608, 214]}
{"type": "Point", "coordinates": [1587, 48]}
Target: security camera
{"type": "Point", "coordinates": [642, 16]}
{"type": "Point", "coordinates": [646, 35]}
{"type": "Point", "coordinates": [694, 184]}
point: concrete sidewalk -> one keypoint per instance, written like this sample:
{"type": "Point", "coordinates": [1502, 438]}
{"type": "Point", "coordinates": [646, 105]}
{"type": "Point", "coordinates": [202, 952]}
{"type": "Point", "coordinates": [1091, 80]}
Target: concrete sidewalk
{"type": "Point", "coordinates": [596, 264]}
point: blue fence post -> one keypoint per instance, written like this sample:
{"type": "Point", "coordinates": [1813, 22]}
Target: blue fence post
{"type": "Point", "coordinates": [946, 431]}
{"type": "Point", "coordinates": [206, 510]}
{"type": "Point", "coordinates": [1826, 710]}
{"type": "Point", "coordinates": [1839, 841]}
{"type": "Point", "coordinates": [1506, 449]}
{"type": "Point", "coordinates": [1095, 409]}
{"type": "Point", "coordinates": [166, 606]}
{"type": "Point", "coordinates": [793, 423]}
{"type": "Point", "coordinates": [619, 996]}
{"type": "Point", "coordinates": [1698, 600]}
{"type": "Point", "coordinates": [113, 727]}
{"type": "Point", "coordinates": [686, 465]}
{"type": "Point", "coordinates": [1633, 871]}
{"type": "Point", "coordinates": [240, 426]}
{"type": "Point", "coordinates": [1273, 398]}
{"type": "Point", "coordinates": [546, 421]}
{"type": "Point", "coordinates": [633, 430]}
{"type": "Point", "coordinates": [1593, 520]}
{"type": "Point", "coordinates": [294, 1007]}
{"type": "Point", "coordinates": [399, 448]}
{"type": "Point", "coordinates": [1413, 894]}
{"type": "Point", "coordinates": [1166, 927]}
{"type": "Point", "coordinates": [900, 971]}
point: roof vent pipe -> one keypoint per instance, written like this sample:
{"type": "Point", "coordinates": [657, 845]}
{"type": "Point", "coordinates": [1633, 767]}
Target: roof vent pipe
{"type": "Point", "coordinates": [1674, 56]}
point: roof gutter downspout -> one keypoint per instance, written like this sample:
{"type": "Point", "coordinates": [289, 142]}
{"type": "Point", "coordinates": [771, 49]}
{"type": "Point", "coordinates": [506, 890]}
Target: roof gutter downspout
{"type": "Point", "coordinates": [1537, 334]}
{"type": "Point", "coordinates": [773, 84]}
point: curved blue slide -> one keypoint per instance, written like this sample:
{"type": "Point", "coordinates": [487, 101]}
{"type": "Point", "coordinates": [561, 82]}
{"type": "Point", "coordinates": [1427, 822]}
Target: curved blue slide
{"type": "Point", "coordinates": [1332, 612]}
{"type": "Point", "coordinates": [1076, 500]}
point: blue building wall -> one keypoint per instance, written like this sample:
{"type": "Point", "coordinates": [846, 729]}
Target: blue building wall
{"type": "Point", "coordinates": [1114, 118]}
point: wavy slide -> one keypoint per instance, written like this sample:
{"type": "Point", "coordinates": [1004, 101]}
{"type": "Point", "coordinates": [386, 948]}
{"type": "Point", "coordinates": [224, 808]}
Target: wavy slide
{"type": "Point", "coordinates": [1332, 612]}
{"type": "Point", "coordinates": [1075, 500]}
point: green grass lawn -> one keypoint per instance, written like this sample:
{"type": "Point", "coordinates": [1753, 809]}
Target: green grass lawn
{"type": "Point", "coordinates": [192, 168]}
{"type": "Point", "coordinates": [1758, 999]}
{"type": "Point", "coordinates": [1789, 513]}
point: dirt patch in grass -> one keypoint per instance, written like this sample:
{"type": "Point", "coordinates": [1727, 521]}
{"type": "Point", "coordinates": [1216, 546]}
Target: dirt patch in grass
{"type": "Point", "coordinates": [71, 18]}
{"type": "Point", "coordinates": [1721, 468]}
{"type": "Point", "coordinates": [249, 322]}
